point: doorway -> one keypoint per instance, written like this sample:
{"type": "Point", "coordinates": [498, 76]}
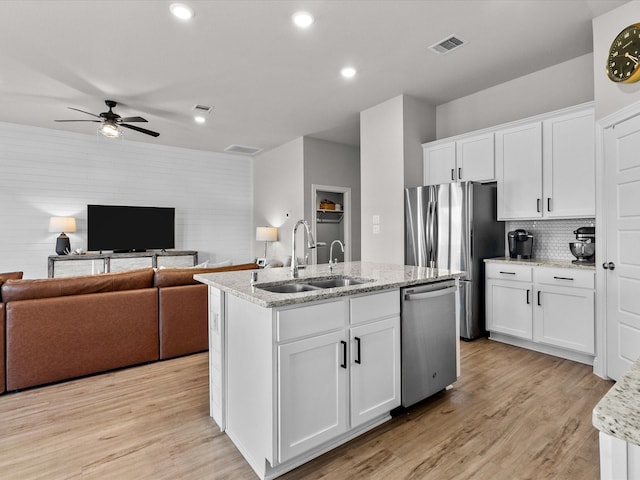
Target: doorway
{"type": "Point", "coordinates": [331, 220]}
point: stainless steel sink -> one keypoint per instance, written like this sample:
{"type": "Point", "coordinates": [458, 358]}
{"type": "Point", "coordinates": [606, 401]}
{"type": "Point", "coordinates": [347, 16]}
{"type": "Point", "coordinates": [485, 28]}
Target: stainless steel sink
{"type": "Point", "coordinates": [310, 285]}
{"type": "Point", "coordinates": [289, 288]}
{"type": "Point", "coordinates": [338, 282]}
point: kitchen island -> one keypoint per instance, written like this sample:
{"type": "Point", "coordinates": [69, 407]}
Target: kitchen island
{"type": "Point", "coordinates": [294, 375]}
{"type": "Point", "coordinates": [617, 417]}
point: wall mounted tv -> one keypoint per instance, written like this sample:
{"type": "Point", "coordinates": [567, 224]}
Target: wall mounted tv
{"type": "Point", "coordinates": [130, 229]}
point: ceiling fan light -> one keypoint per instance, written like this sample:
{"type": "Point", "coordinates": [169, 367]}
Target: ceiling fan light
{"type": "Point", "coordinates": [109, 130]}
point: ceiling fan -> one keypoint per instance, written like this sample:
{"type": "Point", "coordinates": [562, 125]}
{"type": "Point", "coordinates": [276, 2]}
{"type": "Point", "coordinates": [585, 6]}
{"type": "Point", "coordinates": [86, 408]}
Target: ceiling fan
{"type": "Point", "coordinates": [111, 122]}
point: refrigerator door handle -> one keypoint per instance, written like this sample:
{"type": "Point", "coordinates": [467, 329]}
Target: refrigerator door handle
{"type": "Point", "coordinates": [434, 235]}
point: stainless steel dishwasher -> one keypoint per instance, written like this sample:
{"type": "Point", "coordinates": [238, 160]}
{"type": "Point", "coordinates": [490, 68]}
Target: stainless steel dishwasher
{"type": "Point", "coordinates": [428, 340]}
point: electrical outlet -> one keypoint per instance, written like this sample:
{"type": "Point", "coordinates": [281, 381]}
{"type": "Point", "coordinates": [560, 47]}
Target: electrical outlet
{"type": "Point", "coordinates": [376, 229]}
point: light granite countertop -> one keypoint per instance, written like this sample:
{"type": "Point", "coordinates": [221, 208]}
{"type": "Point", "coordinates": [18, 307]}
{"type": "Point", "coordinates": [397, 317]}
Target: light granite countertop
{"type": "Point", "coordinates": [382, 276]}
{"type": "Point", "coordinates": [542, 262]}
{"type": "Point", "coordinates": [618, 412]}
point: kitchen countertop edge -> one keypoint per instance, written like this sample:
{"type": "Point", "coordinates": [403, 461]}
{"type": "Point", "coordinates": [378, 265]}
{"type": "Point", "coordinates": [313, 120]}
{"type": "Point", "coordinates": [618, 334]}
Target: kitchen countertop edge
{"type": "Point", "coordinates": [618, 412]}
{"type": "Point", "coordinates": [541, 262]}
{"type": "Point", "coordinates": [383, 277]}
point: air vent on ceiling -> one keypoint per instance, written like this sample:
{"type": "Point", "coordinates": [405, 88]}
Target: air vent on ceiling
{"type": "Point", "coordinates": [203, 108]}
{"type": "Point", "coordinates": [448, 44]}
{"type": "Point", "coordinates": [242, 149]}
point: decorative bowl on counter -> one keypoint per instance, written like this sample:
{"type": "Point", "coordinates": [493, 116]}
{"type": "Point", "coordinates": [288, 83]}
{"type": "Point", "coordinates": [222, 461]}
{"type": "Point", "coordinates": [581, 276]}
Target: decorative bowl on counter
{"type": "Point", "coordinates": [583, 251]}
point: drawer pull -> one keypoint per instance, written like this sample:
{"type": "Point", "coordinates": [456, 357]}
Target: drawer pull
{"type": "Point", "coordinates": [343, 363]}
{"type": "Point", "coordinates": [563, 278]}
{"type": "Point", "coordinates": [453, 174]}
{"type": "Point", "coordinates": [528, 301]}
{"type": "Point", "coordinates": [539, 292]}
{"type": "Point", "coordinates": [508, 273]}
{"type": "Point", "coordinates": [358, 360]}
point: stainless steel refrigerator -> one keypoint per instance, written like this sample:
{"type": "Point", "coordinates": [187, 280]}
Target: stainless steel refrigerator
{"type": "Point", "coordinates": [453, 226]}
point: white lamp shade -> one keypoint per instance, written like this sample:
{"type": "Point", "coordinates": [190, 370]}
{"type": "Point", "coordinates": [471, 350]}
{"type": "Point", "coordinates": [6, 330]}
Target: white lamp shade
{"type": "Point", "coordinates": [266, 234]}
{"type": "Point", "coordinates": [62, 224]}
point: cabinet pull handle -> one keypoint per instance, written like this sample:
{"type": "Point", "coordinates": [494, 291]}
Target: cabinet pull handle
{"type": "Point", "coordinates": [537, 205]}
{"type": "Point", "coordinates": [528, 301]}
{"type": "Point", "coordinates": [548, 204]}
{"type": "Point", "coordinates": [564, 278]}
{"type": "Point", "coordinates": [358, 359]}
{"type": "Point", "coordinates": [539, 292]}
{"type": "Point", "coordinates": [343, 364]}
{"type": "Point", "coordinates": [508, 273]}
{"type": "Point", "coordinates": [460, 173]}
{"type": "Point", "coordinates": [453, 174]}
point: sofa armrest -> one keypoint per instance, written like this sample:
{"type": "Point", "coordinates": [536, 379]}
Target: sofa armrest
{"type": "Point", "coordinates": [183, 320]}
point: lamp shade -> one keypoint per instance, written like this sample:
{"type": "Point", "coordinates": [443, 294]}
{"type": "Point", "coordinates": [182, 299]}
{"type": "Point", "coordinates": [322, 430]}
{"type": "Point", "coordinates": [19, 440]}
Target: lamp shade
{"type": "Point", "coordinates": [62, 224]}
{"type": "Point", "coordinates": [266, 234]}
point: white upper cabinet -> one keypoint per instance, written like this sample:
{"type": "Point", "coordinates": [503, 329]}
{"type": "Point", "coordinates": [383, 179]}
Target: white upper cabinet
{"type": "Point", "coordinates": [519, 171]}
{"type": "Point", "coordinates": [466, 159]}
{"type": "Point", "coordinates": [569, 165]}
{"type": "Point", "coordinates": [546, 168]}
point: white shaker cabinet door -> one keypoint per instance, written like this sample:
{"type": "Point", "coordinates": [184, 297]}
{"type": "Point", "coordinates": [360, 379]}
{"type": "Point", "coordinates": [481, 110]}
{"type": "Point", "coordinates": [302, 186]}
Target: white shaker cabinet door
{"type": "Point", "coordinates": [440, 164]}
{"type": "Point", "coordinates": [475, 158]}
{"type": "Point", "coordinates": [519, 172]}
{"type": "Point", "coordinates": [509, 308]}
{"type": "Point", "coordinates": [375, 369]}
{"type": "Point", "coordinates": [564, 317]}
{"type": "Point", "coordinates": [569, 165]}
{"type": "Point", "coordinates": [312, 393]}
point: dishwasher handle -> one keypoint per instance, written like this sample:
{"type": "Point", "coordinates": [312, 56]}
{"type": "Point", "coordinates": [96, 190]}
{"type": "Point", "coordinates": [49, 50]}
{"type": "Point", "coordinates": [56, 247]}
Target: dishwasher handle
{"type": "Point", "coordinates": [430, 294]}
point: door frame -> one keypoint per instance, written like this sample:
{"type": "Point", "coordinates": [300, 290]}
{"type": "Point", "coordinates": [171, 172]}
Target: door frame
{"type": "Point", "coordinates": [630, 111]}
{"type": "Point", "coordinates": [346, 208]}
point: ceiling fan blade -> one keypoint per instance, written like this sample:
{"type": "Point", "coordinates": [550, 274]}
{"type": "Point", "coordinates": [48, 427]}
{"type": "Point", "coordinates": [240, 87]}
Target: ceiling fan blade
{"type": "Point", "coordinates": [141, 130]}
{"type": "Point", "coordinates": [132, 119]}
{"type": "Point", "coordinates": [82, 111]}
{"type": "Point", "coordinates": [96, 121]}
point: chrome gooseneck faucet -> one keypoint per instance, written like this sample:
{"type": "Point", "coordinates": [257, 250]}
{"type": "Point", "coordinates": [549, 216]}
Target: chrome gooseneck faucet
{"type": "Point", "coordinates": [332, 263]}
{"type": "Point", "coordinates": [311, 243]}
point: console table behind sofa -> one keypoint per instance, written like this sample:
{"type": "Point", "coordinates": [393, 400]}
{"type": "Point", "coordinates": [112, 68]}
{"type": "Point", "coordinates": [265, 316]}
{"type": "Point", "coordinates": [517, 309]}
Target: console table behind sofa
{"type": "Point", "coordinates": [94, 263]}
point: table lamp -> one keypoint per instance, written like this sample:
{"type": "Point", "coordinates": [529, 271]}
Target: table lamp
{"type": "Point", "coordinates": [62, 224]}
{"type": "Point", "coordinates": [266, 234]}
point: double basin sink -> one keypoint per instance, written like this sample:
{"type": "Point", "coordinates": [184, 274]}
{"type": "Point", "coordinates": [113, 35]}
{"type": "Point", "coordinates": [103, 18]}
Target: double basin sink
{"type": "Point", "coordinates": [298, 286]}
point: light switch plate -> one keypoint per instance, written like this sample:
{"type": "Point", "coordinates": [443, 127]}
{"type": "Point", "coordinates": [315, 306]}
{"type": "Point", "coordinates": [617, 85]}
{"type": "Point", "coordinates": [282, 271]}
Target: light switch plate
{"type": "Point", "coordinates": [376, 220]}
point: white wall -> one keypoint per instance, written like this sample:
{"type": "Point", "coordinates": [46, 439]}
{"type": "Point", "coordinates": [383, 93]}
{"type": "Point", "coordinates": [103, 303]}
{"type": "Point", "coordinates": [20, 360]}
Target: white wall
{"type": "Point", "coordinates": [54, 173]}
{"type": "Point", "coordinates": [609, 96]}
{"type": "Point", "coordinates": [337, 165]}
{"type": "Point", "coordinates": [391, 134]}
{"type": "Point", "coordinates": [279, 195]}
{"type": "Point", "coordinates": [559, 86]}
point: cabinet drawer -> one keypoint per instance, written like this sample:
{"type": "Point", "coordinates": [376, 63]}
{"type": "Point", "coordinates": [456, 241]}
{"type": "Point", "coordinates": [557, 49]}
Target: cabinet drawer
{"type": "Point", "coordinates": [565, 277]}
{"type": "Point", "coordinates": [314, 319]}
{"type": "Point", "coordinates": [376, 305]}
{"type": "Point", "coordinates": [505, 271]}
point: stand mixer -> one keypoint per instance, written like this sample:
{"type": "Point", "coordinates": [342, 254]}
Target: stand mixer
{"type": "Point", "coordinates": [584, 248]}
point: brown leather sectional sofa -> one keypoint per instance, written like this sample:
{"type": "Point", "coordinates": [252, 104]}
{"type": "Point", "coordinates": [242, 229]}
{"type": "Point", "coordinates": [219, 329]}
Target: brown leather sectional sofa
{"type": "Point", "coordinates": [61, 328]}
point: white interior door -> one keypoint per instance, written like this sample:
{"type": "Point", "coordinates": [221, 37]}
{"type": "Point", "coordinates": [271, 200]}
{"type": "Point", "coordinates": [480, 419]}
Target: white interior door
{"type": "Point", "coordinates": [622, 217]}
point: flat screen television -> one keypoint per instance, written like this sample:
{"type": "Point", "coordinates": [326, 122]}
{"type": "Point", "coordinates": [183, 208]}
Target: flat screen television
{"type": "Point", "coordinates": [129, 229]}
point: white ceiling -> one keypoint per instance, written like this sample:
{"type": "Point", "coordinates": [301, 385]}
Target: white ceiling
{"type": "Point", "coordinates": [269, 81]}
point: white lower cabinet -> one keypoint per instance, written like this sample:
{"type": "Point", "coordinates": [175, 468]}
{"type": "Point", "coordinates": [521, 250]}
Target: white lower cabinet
{"type": "Point", "coordinates": [312, 391]}
{"type": "Point", "coordinates": [544, 306]}
{"type": "Point", "coordinates": [303, 379]}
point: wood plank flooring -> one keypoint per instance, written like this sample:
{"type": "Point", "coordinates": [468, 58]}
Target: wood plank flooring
{"type": "Point", "coordinates": [514, 414]}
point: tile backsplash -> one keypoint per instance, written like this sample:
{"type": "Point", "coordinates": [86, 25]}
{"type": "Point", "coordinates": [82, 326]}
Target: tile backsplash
{"type": "Point", "coordinates": [551, 237]}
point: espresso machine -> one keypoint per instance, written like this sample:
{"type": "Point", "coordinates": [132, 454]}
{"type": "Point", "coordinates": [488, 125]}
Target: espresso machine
{"type": "Point", "coordinates": [584, 248]}
{"type": "Point", "coordinates": [520, 244]}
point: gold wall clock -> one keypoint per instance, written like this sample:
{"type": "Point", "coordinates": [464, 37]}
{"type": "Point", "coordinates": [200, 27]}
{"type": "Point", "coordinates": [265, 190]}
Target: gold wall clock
{"type": "Point", "coordinates": [623, 61]}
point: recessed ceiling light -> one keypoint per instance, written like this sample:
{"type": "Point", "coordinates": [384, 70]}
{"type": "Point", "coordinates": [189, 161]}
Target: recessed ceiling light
{"type": "Point", "coordinates": [182, 11]}
{"type": "Point", "coordinates": [199, 119]}
{"type": "Point", "coordinates": [302, 19]}
{"type": "Point", "coordinates": [348, 72]}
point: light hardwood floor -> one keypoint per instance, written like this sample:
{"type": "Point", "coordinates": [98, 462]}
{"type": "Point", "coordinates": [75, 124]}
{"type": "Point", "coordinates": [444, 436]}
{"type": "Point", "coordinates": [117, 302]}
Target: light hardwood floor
{"type": "Point", "coordinates": [514, 414]}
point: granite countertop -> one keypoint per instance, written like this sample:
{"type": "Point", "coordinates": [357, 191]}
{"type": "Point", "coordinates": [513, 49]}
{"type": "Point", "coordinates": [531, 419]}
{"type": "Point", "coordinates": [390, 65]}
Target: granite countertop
{"type": "Point", "coordinates": [618, 412]}
{"type": "Point", "coordinates": [383, 276]}
{"type": "Point", "coordinates": [542, 262]}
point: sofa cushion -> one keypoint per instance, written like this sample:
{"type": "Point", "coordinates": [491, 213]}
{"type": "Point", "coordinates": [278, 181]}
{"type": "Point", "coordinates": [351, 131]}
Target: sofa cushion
{"type": "Point", "coordinates": [172, 277]}
{"type": "Point", "coordinates": [14, 290]}
{"type": "Point", "coordinates": [8, 276]}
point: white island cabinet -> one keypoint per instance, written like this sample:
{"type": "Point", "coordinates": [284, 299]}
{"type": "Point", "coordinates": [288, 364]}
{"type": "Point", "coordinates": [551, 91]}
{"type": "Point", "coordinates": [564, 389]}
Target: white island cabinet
{"type": "Point", "coordinates": [294, 375]}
